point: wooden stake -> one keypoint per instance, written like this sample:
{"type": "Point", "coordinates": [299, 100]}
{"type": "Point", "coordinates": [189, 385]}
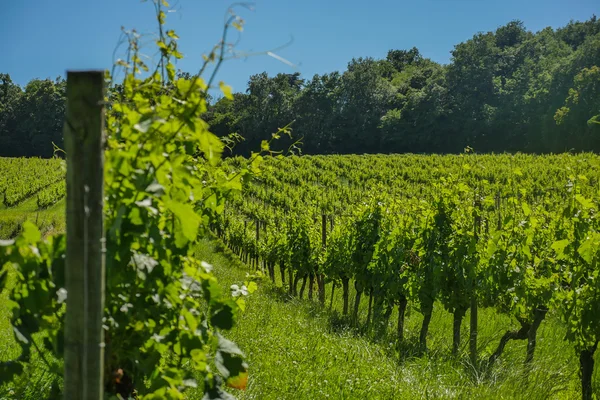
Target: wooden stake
{"type": "Point", "coordinates": [84, 264]}
{"type": "Point", "coordinates": [473, 316]}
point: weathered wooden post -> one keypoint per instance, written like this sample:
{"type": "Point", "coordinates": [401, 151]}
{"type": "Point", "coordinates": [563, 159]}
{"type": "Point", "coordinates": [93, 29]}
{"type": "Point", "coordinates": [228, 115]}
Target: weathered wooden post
{"type": "Point", "coordinates": [320, 276]}
{"type": "Point", "coordinates": [245, 254]}
{"type": "Point", "coordinates": [84, 145]}
{"type": "Point", "coordinates": [256, 256]}
{"type": "Point", "coordinates": [473, 316]}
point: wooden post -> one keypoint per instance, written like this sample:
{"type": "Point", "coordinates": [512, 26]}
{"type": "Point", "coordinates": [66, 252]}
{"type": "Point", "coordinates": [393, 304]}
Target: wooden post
{"type": "Point", "coordinates": [324, 231]}
{"type": "Point", "coordinates": [498, 210]}
{"type": "Point", "coordinates": [257, 259]}
{"type": "Point", "coordinates": [244, 247]}
{"type": "Point", "coordinates": [84, 264]}
{"type": "Point", "coordinates": [473, 316]}
{"type": "Point", "coordinates": [320, 277]}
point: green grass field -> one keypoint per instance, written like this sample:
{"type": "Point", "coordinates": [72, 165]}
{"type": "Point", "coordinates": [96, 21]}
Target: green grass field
{"type": "Point", "coordinates": [297, 350]}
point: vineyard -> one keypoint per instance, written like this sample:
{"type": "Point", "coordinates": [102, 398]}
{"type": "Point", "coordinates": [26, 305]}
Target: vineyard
{"type": "Point", "coordinates": [29, 188]}
{"type": "Point", "coordinates": [178, 252]}
{"type": "Point", "coordinates": [515, 234]}
{"type": "Point", "coordinates": [512, 238]}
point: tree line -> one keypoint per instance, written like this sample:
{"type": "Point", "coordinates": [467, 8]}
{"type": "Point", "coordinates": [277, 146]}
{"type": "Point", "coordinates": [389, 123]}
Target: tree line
{"type": "Point", "coordinates": [31, 118]}
{"type": "Point", "coordinates": [507, 90]}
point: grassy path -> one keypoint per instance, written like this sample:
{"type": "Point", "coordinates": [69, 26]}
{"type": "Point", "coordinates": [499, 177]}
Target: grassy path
{"type": "Point", "coordinates": [297, 350]}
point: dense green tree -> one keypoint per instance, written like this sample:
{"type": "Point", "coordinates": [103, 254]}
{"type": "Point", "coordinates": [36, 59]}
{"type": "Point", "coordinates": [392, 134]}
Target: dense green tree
{"type": "Point", "coordinates": [415, 124]}
{"type": "Point", "coordinates": [42, 109]}
{"type": "Point", "coordinates": [471, 84]}
{"type": "Point", "coordinates": [365, 98]}
{"type": "Point", "coordinates": [400, 59]}
{"type": "Point", "coordinates": [576, 33]}
{"type": "Point", "coordinates": [31, 120]}
{"type": "Point", "coordinates": [10, 95]}
{"type": "Point", "coordinates": [582, 108]}
{"type": "Point", "coordinates": [317, 111]}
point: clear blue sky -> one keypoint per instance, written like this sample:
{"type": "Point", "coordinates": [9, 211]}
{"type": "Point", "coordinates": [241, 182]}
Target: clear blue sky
{"type": "Point", "coordinates": [43, 38]}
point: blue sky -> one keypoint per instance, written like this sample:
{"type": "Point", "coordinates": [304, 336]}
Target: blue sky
{"type": "Point", "coordinates": [43, 38]}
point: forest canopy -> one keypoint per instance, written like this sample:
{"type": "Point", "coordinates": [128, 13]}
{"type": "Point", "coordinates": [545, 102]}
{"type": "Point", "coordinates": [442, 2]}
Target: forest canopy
{"type": "Point", "coordinates": [503, 91]}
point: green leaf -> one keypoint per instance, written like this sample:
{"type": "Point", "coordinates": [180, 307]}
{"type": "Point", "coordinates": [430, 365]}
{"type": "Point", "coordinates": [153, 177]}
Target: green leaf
{"type": "Point", "coordinates": [264, 146]}
{"type": "Point", "coordinates": [594, 120]}
{"type": "Point", "coordinates": [241, 303]}
{"type": "Point", "coordinates": [198, 356]}
{"type": "Point", "coordinates": [237, 26]}
{"type": "Point", "coordinates": [518, 172]}
{"type": "Point", "coordinates": [211, 146]}
{"type": "Point", "coordinates": [171, 71]}
{"type": "Point", "coordinates": [135, 216]}
{"type": "Point", "coordinates": [190, 320]}
{"type": "Point", "coordinates": [226, 89]}
{"type": "Point", "coordinates": [161, 44]}
{"type": "Point", "coordinates": [31, 233]}
{"type": "Point", "coordinates": [187, 218]}
{"type": "Point", "coordinates": [559, 247]}
{"type": "Point", "coordinates": [256, 163]}
{"type": "Point", "coordinates": [252, 286]}
{"type": "Point", "coordinates": [585, 203]}
{"type": "Point", "coordinates": [171, 33]}
{"type": "Point", "coordinates": [234, 183]}
{"type": "Point", "coordinates": [213, 291]}
{"type": "Point", "coordinates": [588, 249]}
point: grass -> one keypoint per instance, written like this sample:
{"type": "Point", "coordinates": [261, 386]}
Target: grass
{"type": "Point", "coordinates": [49, 220]}
{"type": "Point", "coordinates": [298, 350]}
